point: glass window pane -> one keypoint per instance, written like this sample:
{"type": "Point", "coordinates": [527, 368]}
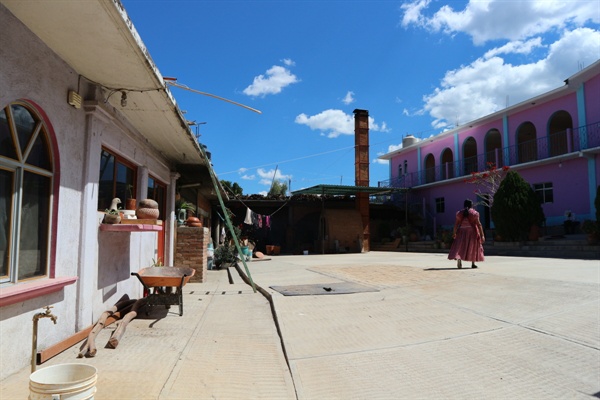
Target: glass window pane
{"type": "Point", "coordinates": [6, 192]}
{"type": "Point", "coordinates": [25, 124]}
{"type": "Point", "coordinates": [106, 184]}
{"type": "Point", "coordinates": [35, 220]}
{"type": "Point", "coordinates": [7, 145]}
{"type": "Point", "coordinates": [125, 177]}
{"type": "Point", "coordinates": [40, 153]}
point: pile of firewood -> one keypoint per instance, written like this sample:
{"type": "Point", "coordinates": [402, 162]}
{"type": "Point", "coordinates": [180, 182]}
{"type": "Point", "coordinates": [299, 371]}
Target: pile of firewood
{"type": "Point", "coordinates": [127, 309]}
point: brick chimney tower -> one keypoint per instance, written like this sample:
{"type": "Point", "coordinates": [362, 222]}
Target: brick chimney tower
{"type": "Point", "coordinates": [361, 170]}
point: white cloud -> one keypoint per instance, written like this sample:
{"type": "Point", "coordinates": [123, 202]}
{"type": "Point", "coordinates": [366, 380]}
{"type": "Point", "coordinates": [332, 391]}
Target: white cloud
{"type": "Point", "coordinates": [266, 177]}
{"type": "Point", "coordinates": [490, 83]}
{"type": "Point", "coordinates": [349, 98]}
{"type": "Point", "coordinates": [517, 47]}
{"type": "Point", "coordinates": [277, 78]}
{"type": "Point", "coordinates": [394, 147]}
{"type": "Point", "coordinates": [379, 160]}
{"type": "Point", "coordinates": [247, 177]}
{"type": "Point", "coordinates": [336, 122]}
{"type": "Point", "coordinates": [288, 62]}
{"type": "Point", "coordinates": [498, 19]}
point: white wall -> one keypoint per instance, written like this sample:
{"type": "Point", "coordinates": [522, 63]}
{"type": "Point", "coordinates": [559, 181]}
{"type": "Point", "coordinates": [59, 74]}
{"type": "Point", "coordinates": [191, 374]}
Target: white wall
{"type": "Point", "coordinates": [103, 261]}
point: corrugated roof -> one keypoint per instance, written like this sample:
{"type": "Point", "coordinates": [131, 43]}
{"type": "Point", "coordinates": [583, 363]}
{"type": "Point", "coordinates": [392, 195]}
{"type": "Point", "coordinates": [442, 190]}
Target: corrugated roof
{"type": "Point", "coordinates": [346, 190]}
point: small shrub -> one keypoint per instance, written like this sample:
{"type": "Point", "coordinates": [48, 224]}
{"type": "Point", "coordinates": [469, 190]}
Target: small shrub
{"type": "Point", "coordinates": [516, 208]}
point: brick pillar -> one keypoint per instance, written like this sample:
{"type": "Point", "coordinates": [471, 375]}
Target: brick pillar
{"type": "Point", "coordinates": [190, 251]}
{"type": "Point", "coordinates": [361, 170]}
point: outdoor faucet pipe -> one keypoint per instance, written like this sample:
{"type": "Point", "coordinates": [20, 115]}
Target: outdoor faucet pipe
{"type": "Point", "coordinates": [36, 317]}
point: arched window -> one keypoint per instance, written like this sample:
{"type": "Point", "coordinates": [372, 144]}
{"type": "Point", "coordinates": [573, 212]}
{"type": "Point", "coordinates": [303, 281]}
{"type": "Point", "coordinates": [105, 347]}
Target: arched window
{"type": "Point", "coordinates": [26, 185]}
{"type": "Point", "coordinates": [469, 156]}
{"type": "Point", "coordinates": [493, 148]}
{"type": "Point", "coordinates": [526, 143]}
{"type": "Point", "coordinates": [429, 168]}
{"type": "Point", "coordinates": [447, 164]}
{"type": "Point", "coordinates": [557, 132]}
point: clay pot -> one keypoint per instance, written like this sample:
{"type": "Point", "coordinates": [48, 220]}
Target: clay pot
{"type": "Point", "coordinates": [111, 219]}
{"type": "Point", "coordinates": [130, 204]}
{"type": "Point", "coordinates": [147, 213]}
{"type": "Point", "coordinates": [148, 203]}
{"type": "Point", "coordinates": [193, 221]}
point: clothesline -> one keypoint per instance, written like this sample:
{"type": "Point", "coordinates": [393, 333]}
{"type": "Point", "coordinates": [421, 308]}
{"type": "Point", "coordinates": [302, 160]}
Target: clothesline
{"type": "Point", "coordinates": [245, 205]}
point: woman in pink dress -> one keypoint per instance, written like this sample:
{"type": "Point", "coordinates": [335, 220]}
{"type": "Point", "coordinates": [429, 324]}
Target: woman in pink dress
{"type": "Point", "coordinates": [468, 237]}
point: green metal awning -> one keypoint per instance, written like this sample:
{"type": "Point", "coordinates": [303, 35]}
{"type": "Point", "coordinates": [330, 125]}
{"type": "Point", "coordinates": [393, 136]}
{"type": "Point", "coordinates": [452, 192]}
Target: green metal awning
{"type": "Point", "coordinates": [347, 190]}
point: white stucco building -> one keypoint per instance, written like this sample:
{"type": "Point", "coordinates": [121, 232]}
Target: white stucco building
{"type": "Point", "coordinates": [84, 116]}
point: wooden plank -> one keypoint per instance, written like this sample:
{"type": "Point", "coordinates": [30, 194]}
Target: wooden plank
{"type": "Point", "coordinates": [142, 221]}
{"type": "Point", "coordinates": [45, 355]}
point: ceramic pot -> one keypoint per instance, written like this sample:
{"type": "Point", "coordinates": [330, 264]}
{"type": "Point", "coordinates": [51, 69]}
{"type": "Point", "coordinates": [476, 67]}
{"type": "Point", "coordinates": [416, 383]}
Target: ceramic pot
{"type": "Point", "coordinates": [111, 219]}
{"type": "Point", "coordinates": [130, 204]}
{"type": "Point", "coordinates": [147, 213]}
{"type": "Point", "coordinates": [193, 220]}
{"type": "Point", "coordinates": [195, 225]}
{"type": "Point", "coordinates": [147, 203]}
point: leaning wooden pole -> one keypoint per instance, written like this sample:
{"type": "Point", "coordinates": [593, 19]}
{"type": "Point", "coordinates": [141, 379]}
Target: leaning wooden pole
{"type": "Point", "coordinates": [228, 220]}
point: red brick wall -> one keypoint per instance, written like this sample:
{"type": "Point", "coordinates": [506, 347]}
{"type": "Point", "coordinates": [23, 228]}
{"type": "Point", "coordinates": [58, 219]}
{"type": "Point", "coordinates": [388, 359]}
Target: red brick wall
{"type": "Point", "coordinates": [190, 251]}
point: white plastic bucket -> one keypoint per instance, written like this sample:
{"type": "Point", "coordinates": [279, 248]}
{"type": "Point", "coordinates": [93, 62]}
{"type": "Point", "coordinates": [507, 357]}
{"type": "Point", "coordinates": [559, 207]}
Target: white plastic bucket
{"type": "Point", "coordinates": [63, 381]}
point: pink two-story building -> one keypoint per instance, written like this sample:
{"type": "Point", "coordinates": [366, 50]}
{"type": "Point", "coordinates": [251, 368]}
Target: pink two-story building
{"type": "Point", "coordinates": [552, 141]}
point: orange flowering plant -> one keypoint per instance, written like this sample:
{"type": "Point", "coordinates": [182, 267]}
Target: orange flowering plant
{"type": "Point", "coordinates": [487, 183]}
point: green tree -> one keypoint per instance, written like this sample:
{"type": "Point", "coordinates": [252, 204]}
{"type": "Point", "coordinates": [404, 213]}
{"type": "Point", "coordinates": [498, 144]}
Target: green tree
{"type": "Point", "coordinates": [516, 208]}
{"type": "Point", "coordinates": [232, 188]}
{"type": "Point", "coordinates": [278, 188]}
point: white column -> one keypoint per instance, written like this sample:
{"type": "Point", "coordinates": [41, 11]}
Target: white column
{"type": "Point", "coordinates": [169, 226]}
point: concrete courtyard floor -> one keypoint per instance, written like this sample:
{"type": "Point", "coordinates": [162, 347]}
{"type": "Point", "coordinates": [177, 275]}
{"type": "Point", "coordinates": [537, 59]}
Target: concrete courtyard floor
{"type": "Point", "coordinates": [363, 326]}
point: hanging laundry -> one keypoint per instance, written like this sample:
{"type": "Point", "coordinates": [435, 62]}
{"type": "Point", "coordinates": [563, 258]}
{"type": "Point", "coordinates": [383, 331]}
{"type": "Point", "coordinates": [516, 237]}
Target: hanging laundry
{"type": "Point", "coordinates": [248, 219]}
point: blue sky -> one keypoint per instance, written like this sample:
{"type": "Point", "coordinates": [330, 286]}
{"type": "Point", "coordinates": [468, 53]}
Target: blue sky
{"type": "Point", "coordinates": [418, 67]}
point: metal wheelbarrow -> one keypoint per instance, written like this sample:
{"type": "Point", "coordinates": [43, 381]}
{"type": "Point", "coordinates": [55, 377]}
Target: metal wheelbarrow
{"type": "Point", "coordinates": [164, 285]}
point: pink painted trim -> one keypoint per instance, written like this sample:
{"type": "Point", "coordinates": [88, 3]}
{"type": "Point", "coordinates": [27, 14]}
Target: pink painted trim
{"type": "Point", "coordinates": [130, 227]}
{"type": "Point", "coordinates": [26, 291]}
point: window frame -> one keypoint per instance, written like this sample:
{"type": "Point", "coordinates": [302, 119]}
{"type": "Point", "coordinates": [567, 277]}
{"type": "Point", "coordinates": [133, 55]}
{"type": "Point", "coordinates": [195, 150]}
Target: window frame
{"type": "Point", "coordinates": [541, 189]}
{"type": "Point", "coordinates": [440, 202]}
{"type": "Point", "coordinates": [118, 160]}
{"type": "Point", "coordinates": [158, 185]}
{"type": "Point", "coordinates": [19, 167]}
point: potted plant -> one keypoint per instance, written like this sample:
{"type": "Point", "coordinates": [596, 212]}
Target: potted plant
{"type": "Point", "coordinates": [183, 209]}
{"type": "Point", "coordinates": [111, 216]}
{"type": "Point", "coordinates": [227, 254]}
{"type": "Point", "coordinates": [592, 229]}
{"type": "Point", "coordinates": [445, 237]}
{"type": "Point", "coordinates": [130, 203]}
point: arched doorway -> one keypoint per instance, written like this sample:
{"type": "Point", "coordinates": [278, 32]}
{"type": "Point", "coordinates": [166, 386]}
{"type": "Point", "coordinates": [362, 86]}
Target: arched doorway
{"type": "Point", "coordinates": [469, 156]}
{"type": "Point", "coordinates": [429, 168]}
{"type": "Point", "coordinates": [447, 164]}
{"type": "Point", "coordinates": [559, 122]}
{"type": "Point", "coordinates": [493, 148]}
{"type": "Point", "coordinates": [526, 143]}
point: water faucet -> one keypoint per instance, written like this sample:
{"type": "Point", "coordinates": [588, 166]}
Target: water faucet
{"type": "Point", "coordinates": [36, 318]}
{"type": "Point", "coordinates": [46, 314]}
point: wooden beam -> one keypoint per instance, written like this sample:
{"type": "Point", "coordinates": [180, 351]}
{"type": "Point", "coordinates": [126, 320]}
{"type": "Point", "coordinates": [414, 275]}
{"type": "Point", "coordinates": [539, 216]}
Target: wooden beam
{"type": "Point", "coordinates": [45, 355]}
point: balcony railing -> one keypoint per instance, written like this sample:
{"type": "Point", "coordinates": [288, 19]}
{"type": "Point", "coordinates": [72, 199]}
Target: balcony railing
{"type": "Point", "coordinates": [555, 144]}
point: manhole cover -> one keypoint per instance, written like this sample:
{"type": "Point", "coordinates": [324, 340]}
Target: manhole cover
{"type": "Point", "coordinates": [322, 288]}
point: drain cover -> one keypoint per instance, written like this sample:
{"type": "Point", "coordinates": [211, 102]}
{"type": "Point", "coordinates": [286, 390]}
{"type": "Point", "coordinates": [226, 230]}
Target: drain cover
{"type": "Point", "coordinates": [322, 288]}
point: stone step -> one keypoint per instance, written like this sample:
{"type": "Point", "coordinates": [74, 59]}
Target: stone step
{"type": "Point", "coordinates": [569, 249]}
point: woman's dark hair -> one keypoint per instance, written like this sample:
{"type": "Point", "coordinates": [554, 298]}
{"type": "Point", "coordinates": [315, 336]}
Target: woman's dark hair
{"type": "Point", "coordinates": [467, 204]}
